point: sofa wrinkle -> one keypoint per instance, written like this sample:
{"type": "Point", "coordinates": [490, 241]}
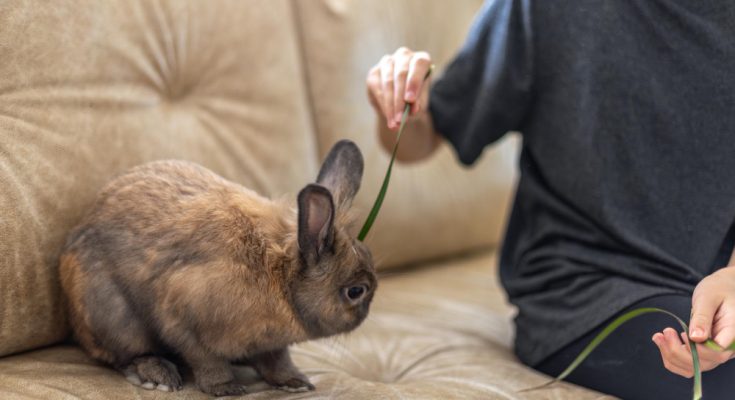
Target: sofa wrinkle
{"type": "Point", "coordinates": [128, 52]}
{"type": "Point", "coordinates": [422, 359]}
{"type": "Point", "coordinates": [102, 95]}
{"type": "Point", "coordinates": [295, 16]}
{"type": "Point", "coordinates": [227, 138]}
{"type": "Point", "coordinates": [485, 387]}
{"type": "Point", "coordinates": [153, 47]}
{"type": "Point", "coordinates": [161, 53]}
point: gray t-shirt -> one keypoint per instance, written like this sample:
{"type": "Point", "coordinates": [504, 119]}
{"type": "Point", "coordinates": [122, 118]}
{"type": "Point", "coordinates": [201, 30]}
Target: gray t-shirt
{"type": "Point", "coordinates": [627, 113]}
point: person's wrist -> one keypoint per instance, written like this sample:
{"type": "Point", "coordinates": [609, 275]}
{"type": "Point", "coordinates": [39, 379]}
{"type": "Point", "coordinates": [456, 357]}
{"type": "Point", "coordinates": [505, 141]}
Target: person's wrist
{"type": "Point", "coordinates": [420, 115]}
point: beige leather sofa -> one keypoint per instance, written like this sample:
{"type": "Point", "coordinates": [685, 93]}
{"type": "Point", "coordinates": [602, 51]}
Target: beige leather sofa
{"type": "Point", "coordinates": [257, 91]}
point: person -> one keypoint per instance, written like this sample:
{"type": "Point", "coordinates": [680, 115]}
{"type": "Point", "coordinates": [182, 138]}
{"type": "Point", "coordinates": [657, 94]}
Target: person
{"type": "Point", "coordinates": [625, 198]}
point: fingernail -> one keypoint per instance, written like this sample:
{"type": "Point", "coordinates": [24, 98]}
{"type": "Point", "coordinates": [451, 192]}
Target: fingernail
{"type": "Point", "coordinates": [655, 339]}
{"type": "Point", "coordinates": [697, 332]}
{"type": "Point", "coordinates": [398, 117]}
{"type": "Point", "coordinates": [410, 96]}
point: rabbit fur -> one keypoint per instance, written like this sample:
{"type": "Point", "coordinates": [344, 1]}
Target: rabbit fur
{"type": "Point", "coordinates": [174, 264]}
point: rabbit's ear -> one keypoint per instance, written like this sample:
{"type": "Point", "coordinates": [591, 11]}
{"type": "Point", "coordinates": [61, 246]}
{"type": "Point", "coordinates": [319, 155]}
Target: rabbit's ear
{"type": "Point", "coordinates": [316, 222]}
{"type": "Point", "coordinates": [341, 172]}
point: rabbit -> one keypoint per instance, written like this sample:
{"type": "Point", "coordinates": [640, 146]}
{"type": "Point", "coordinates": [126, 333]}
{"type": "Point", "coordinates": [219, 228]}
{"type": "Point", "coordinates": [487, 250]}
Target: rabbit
{"type": "Point", "coordinates": [173, 262]}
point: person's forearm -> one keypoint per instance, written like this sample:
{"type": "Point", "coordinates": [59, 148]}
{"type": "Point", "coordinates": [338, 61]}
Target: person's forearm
{"type": "Point", "coordinates": [419, 140]}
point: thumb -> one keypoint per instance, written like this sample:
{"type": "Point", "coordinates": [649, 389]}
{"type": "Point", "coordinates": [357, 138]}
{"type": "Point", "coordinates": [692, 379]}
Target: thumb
{"type": "Point", "coordinates": [704, 308]}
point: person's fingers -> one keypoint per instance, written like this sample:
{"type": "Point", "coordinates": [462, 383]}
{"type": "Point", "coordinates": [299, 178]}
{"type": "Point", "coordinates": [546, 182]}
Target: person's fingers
{"type": "Point", "coordinates": [666, 357]}
{"type": "Point", "coordinates": [387, 87]}
{"type": "Point", "coordinates": [658, 340]}
{"type": "Point", "coordinates": [704, 307]}
{"type": "Point", "coordinates": [726, 337]}
{"type": "Point", "coordinates": [419, 67]}
{"type": "Point", "coordinates": [708, 358]}
{"type": "Point", "coordinates": [423, 101]}
{"type": "Point", "coordinates": [723, 331]}
{"type": "Point", "coordinates": [684, 339]}
{"type": "Point", "coordinates": [373, 88]}
{"type": "Point", "coordinates": [724, 324]}
{"type": "Point", "coordinates": [398, 79]}
{"type": "Point", "coordinates": [678, 354]}
{"type": "Point", "coordinates": [402, 62]}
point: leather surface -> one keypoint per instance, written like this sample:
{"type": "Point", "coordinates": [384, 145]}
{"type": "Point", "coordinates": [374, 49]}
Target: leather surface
{"type": "Point", "coordinates": [242, 87]}
{"type": "Point", "coordinates": [433, 208]}
{"type": "Point", "coordinates": [441, 332]}
{"type": "Point", "coordinates": [87, 91]}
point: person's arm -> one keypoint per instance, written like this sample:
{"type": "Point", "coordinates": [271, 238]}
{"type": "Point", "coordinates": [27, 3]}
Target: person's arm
{"type": "Point", "coordinates": [713, 316]}
{"type": "Point", "coordinates": [396, 80]}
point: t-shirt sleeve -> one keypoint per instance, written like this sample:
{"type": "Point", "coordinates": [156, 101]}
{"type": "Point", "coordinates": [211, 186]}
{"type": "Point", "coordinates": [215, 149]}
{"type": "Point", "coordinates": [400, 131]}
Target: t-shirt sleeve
{"type": "Point", "coordinates": [486, 90]}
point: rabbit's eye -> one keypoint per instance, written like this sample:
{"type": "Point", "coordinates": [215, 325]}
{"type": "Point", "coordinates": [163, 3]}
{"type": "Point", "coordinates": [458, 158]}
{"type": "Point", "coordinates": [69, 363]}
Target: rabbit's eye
{"type": "Point", "coordinates": [355, 293]}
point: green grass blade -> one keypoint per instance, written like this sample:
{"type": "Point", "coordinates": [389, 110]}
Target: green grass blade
{"type": "Point", "coordinates": [384, 187]}
{"type": "Point", "coordinates": [697, 371]}
{"type": "Point", "coordinates": [714, 346]}
{"type": "Point", "coordinates": [602, 336]}
{"type": "Point", "coordinates": [615, 324]}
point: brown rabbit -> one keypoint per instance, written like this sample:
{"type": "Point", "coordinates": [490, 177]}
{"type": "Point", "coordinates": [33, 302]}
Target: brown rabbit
{"type": "Point", "coordinates": [173, 259]}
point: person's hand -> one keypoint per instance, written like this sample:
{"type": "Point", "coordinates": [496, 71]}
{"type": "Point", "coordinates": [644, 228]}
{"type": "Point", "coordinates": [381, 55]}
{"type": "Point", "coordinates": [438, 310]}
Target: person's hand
{"type": "Point", "coordinates": [396, 80]}
{"type": "Point", "coordinates": [713, 315]}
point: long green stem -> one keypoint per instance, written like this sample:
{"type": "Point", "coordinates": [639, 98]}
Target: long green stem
{"type": "Point", "coordinates": [610, 328]}
{"type": "Point", "coordinates": [384, 187]}
{"type": "Point", "coordinates": [714, 346]}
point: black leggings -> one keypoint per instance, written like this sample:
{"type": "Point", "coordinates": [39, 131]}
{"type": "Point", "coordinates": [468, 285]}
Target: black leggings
{"type": "Point", "coordinates": [628, 364]}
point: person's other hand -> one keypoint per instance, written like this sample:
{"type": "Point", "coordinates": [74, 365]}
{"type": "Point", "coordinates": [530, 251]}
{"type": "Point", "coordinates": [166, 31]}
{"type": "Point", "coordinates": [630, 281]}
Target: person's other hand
{"type": "Point", "coordinates": [396, 80]}
{"type": "Point", "coordinates": [713, 315]}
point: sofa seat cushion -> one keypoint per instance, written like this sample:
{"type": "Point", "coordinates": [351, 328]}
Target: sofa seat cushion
{"type": "Point", "coordinates": [441, 332]}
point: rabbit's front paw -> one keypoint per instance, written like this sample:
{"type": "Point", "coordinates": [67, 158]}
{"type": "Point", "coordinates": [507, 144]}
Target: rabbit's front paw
{"type": "Point", "coordinates": [277, 370]}
{"type": "Point", "coordinates": [226, 389]}
{"type": "Point", "coordinates": [295, 385]}
{"type": "Point", "coordinates": [151, 372]}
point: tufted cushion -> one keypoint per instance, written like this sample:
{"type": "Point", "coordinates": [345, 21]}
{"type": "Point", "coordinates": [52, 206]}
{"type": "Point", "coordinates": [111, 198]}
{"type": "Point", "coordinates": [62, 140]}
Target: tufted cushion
{"type": "Point", "coordinates": [88, 90]}
{"type": "Point", "coordinates": [435, 208]}
{"type": "Point", "coordinates": [438, 333]}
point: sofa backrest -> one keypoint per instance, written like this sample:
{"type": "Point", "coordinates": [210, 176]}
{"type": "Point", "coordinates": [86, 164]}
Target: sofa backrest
{"type": "Point", "coordinates": [256, 91]}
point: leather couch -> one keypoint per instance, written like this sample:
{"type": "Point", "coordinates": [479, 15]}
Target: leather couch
{"type": "Point", "coordinates": [257, 91]}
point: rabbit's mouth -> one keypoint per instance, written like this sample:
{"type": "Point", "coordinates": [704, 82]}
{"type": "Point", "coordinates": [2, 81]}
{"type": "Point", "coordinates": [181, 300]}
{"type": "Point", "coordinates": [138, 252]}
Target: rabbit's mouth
{"type": "Point", "coordinates": [360, 313]}
{"type": "Point", "coordinates": [348, 320]}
